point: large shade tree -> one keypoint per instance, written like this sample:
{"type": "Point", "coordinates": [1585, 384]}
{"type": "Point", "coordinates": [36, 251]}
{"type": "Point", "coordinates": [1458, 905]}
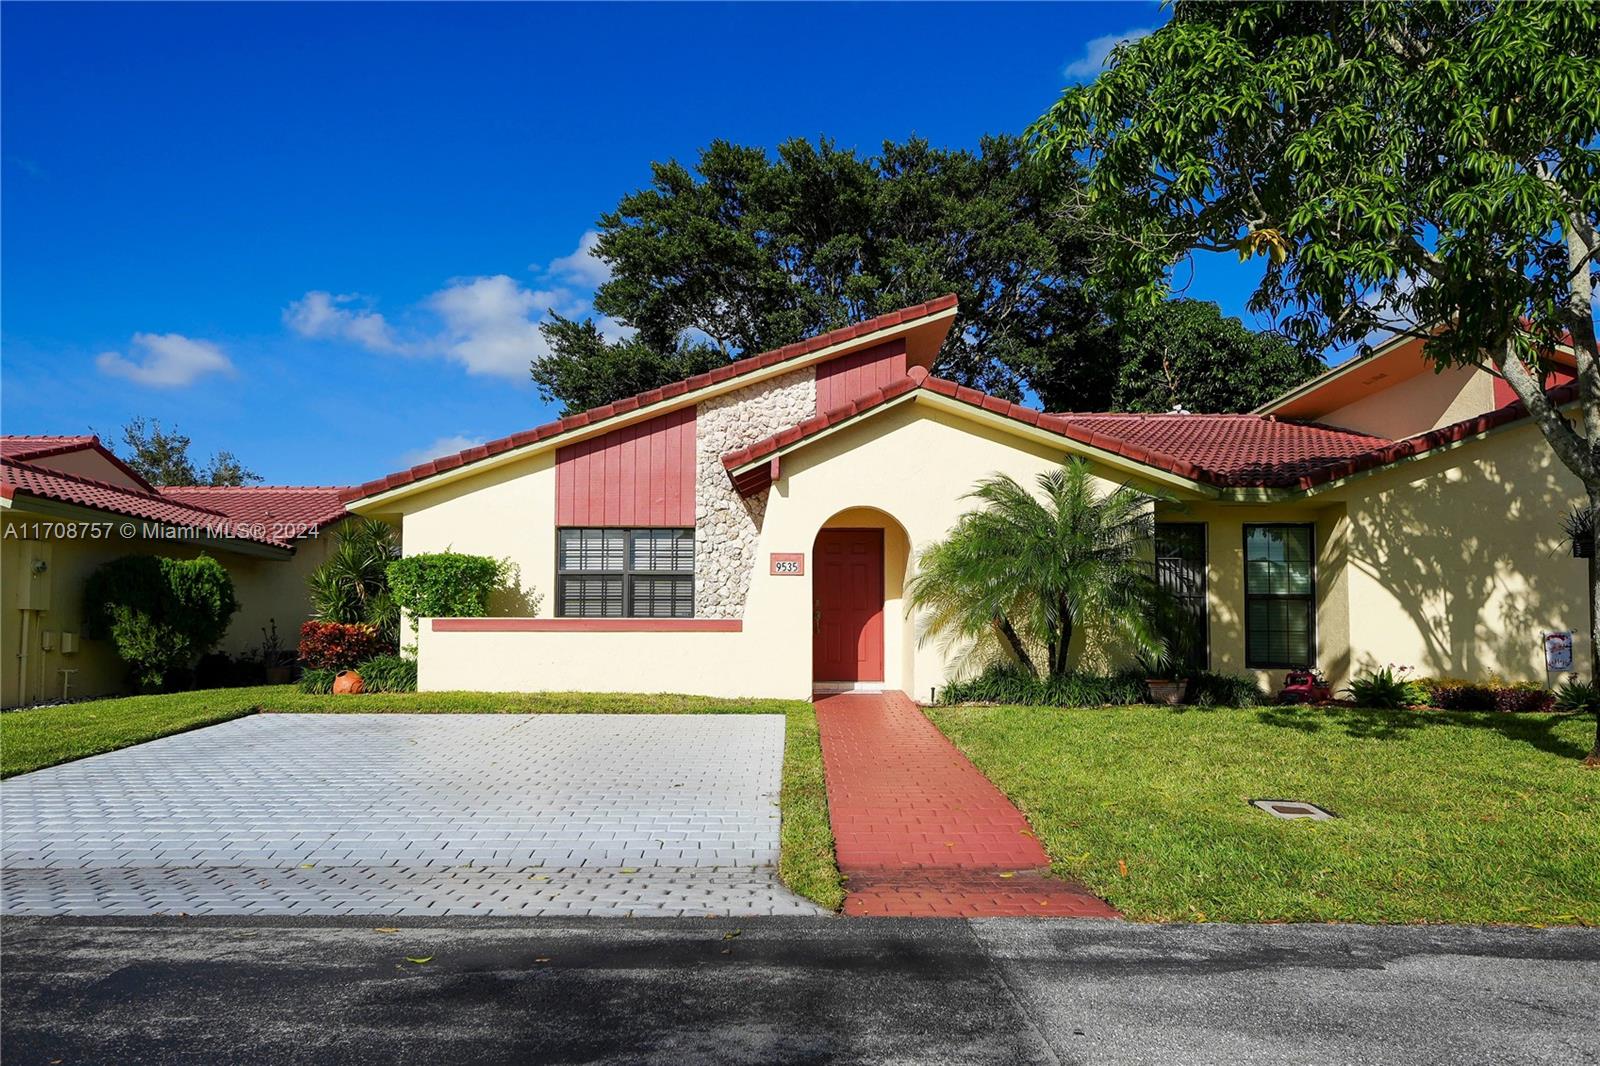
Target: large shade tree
{"type": "Point", "coordinates": [746, 251]}
{"type": "Point", "coordinates": [1428, 168]}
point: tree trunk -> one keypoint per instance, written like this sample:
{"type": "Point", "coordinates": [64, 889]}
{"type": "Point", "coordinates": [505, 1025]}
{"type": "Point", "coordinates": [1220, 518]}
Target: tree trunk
{"type": "Point", "coordinates": [1009, 635]}
{"type": "Point", "coordinates": [1063, 648]}
{"type": "Point", "coordinates": [1593, 759]}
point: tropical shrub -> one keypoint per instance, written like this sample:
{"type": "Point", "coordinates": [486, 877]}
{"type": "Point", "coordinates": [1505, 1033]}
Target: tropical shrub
{"type": "Point", "coordinates": [160, 614]}
{"type": "Point", "coordinates": [1013, 683]}
{"type": "Point", "coordinates": [446, 584]}
{"type": "Point", "coordinates": [1578, 697]}
{"type": "Point", "coordinates": [352, 586]}
{"type": "Point", "coordinates": [1224, 690]}
{"type": "Point", "coordinates": [316, 681]}
{"type": "Point", "coordinates": [339, 646]}
{"type": "Point", "coordinates": [1387, 688]}
{"type": "Point", "coordinates": [388, 673]}
{"type": "Point", "coordinates": [1014, 579]}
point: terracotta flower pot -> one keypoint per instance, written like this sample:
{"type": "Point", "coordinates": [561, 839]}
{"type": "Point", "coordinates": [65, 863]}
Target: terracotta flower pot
{"type": "Point", "coordinates": [347, 683]}
{"type": "Point", "coordinates": [1168, 692]}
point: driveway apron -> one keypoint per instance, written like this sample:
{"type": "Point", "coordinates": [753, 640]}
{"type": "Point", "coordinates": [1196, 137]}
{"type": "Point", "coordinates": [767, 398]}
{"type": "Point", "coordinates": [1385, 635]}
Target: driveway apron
{"type": "Point", "coordinates": [410, 814]}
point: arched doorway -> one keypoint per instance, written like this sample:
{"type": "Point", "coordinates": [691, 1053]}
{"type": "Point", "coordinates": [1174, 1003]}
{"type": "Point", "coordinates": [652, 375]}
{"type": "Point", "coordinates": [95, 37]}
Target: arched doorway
{"type": "Point", "coordinates": [857, 576]}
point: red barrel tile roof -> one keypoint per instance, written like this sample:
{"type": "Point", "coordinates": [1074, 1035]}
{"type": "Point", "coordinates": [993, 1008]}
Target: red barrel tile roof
{"type": "Point", "coordinates": [263, 514]}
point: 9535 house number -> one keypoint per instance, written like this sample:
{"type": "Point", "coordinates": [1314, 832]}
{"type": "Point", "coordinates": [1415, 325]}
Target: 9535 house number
{"type": "Point", "coordinates": [788, 564]}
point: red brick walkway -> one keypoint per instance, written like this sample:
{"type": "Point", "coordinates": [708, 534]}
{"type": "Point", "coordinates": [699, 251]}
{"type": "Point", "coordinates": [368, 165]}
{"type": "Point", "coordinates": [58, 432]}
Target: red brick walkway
{"type": "Point", "coordinates": [919, 831]}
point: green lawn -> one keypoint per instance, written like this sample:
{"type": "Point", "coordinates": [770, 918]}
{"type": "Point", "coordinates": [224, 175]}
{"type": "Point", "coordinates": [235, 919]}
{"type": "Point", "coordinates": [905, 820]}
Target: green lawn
{"type": "Point", "coordinates": [1444, 817]}
{"type": "Point", "coordinates": [44, 736]}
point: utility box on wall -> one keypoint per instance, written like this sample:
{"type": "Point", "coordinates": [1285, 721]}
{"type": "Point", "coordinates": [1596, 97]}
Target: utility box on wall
{"type": "Point", "coordinates": [33, 577]}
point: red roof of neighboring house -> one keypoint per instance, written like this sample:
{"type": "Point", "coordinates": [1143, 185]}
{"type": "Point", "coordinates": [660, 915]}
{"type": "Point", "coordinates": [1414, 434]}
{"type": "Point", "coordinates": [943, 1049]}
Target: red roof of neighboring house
{"type": "Point", "coordinates": [737, 368]}
{"type": "Point", "coordinates": [292, 506]}
{"type": "Point", "coordinates": [273, 515]}
{"type": "Point", "coordinates": [1230, 451]}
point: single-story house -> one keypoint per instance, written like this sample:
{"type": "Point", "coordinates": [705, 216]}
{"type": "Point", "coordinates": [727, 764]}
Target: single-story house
{"type": "Point", "coordinates": [750, 531]}
{"type": "Point", "coordinates": [68, 504]}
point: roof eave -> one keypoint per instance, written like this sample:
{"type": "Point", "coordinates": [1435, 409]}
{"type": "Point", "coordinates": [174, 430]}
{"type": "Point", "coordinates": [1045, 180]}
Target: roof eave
{"type": "Point", "coordinates": [1166, 478]}
{"type": "Point", "coordinates": [379, 502]}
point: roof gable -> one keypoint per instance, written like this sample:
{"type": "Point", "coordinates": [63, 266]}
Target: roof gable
{"type": "Point", "coordinates": [79, 456]}
{"type": "Point", "coordinates": [922, 327]}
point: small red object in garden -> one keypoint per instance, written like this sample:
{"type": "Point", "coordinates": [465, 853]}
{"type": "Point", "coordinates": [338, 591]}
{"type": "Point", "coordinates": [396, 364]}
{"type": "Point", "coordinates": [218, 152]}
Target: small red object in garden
{"type": "Point", "coordinates": [348, 683]}
{"type": "Point", "coordinates": [1304, 686]}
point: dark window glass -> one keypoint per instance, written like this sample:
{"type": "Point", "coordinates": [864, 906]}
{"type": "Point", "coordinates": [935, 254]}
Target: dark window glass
{"type": "Point", "coordinates": [1279, 596]}
{"type": "Point", "coordinates": [1181, 571]}
{"type": "Point", "coordinates": [625, 573]}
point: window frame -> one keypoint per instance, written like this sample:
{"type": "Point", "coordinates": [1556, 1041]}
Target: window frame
{"type": "Point", "coordinates": [1204, 595]}
{"type": "Point", "coordinates": [627, 573]}
{"type": "Point", "coordinates": [1308, 598]}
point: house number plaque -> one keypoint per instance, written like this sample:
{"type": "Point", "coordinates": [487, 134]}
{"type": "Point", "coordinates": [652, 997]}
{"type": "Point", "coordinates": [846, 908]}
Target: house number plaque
{"type": "Point", "coordinates": [788, 564]}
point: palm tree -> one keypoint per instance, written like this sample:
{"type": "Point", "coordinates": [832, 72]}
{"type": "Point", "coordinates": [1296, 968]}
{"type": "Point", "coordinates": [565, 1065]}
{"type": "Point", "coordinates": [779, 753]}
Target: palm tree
{"type": "Point", "coordinates": [353, 584]}
{"type": "Point", "coordinates": [1024, 572]}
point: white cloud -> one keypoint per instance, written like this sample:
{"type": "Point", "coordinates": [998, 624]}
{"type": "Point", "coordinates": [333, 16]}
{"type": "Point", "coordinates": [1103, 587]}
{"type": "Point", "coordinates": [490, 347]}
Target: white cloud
{"type": "Point", "coordinates": [320, 314]}
{"type": "Point", "coordinates": [488, 324]}
{"type": "Point", "coordinates": [169, 360]}
{"type": "Point", "coordinates": [582, 267]}
{"type": "Point", "coordinates": [1098, 50]}
{"type": "Point", "coordinates": [492, 323]}
{"type": "Point", "coordinates": [443, 446]}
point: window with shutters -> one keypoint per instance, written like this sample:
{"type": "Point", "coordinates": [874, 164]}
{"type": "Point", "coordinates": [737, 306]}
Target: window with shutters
{"type": "Point", "coordinates": [625, 573]}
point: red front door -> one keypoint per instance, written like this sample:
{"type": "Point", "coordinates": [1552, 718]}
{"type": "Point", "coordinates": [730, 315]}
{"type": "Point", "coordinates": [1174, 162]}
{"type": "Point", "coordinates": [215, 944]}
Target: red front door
{"type": "Point", "coordinates": [847, 583]}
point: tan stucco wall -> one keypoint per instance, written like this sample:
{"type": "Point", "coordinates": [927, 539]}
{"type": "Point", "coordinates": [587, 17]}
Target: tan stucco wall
{"type": "Point", "coordinates": [267, 590]}
{"type": "Point", "coordinates": [904, 470]}
{"type": "Point", "coordinates": [1419, 404]}
{"type": "Point", "coordinates": [1457, 563]}
{"type": "Point", "coordinates": [1452, 565]}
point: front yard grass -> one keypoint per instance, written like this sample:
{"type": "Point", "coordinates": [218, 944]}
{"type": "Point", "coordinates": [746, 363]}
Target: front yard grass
{"type": "Point", "coordinates": [1443, 817]}
{"type": "Point", "coordinates": [44, 736]}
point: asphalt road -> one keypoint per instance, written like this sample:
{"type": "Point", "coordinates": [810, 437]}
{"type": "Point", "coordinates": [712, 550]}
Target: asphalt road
{"type": "Point", "coordinates": [790, 990]}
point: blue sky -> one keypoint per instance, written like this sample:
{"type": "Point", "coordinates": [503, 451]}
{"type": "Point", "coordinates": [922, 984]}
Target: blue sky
{"type": "Point", "coordinates": [321, 237]}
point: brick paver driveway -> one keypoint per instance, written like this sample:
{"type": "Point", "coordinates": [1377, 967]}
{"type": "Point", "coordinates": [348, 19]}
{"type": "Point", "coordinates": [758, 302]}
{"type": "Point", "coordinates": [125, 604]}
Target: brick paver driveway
{"type": "Point", "coordinates": [410, 814]}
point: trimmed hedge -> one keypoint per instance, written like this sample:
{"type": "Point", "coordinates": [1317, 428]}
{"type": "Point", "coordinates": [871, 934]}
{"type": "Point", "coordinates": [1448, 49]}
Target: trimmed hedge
{"type": "Point", "coordinates": [161, 614]}
{"type": "Point", "coordinates": [1459, 694]}
{"type": "Point", "coordinates": [445, 584]}
{"type": "Point", "coordinates": [1015, 685]}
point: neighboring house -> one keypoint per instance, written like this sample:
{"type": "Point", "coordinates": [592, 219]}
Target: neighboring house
{"type": "Point", "coordinates": [69, 505]}
{"type": "Point", "coordinates": [750, 531]}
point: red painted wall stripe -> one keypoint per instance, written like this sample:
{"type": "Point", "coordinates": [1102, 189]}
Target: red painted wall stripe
{"type": "Point", "coordinates": [852, 376]}
{"type": "Point", "coordinates": [641, 475]}
{"type": "Point", "coordinates": [588, 625]}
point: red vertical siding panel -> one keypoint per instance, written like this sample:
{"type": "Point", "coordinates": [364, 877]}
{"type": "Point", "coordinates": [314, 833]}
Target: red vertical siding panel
{"type": "Point", "coordinates": [642, 475]}
{"type": "Point", "coordinates": [852, 376]}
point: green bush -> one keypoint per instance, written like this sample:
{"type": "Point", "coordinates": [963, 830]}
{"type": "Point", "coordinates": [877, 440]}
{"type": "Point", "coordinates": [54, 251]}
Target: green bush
{"type": "Point", "coordinates": [317, 682]}
{"type": "Point", "coordinates": [1581, 697]}
{"type": "Point", "coordinates": [1224, 690]}
{"type": "Point", "coordinates": [1014, 684]}
{"type": "Point", "coordinates": [388, 673]}
{"type": "Point", "coordinates": [352, 586]}
{"type": "Point", "coordinates": [446, 584]}
{"type": "Point", "coordinates": [1387, 688]}
{"type": "Point", "coordinates": [160, 614]}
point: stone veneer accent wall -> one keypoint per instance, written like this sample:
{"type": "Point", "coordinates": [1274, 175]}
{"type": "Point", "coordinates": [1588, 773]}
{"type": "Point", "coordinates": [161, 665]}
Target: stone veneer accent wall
{"type": "Point", "coordinates": [728, 526]}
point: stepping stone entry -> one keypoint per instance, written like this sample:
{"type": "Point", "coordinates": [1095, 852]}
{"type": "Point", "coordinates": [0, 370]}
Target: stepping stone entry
{"type": "Point", "coordinates": [919, 831]}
